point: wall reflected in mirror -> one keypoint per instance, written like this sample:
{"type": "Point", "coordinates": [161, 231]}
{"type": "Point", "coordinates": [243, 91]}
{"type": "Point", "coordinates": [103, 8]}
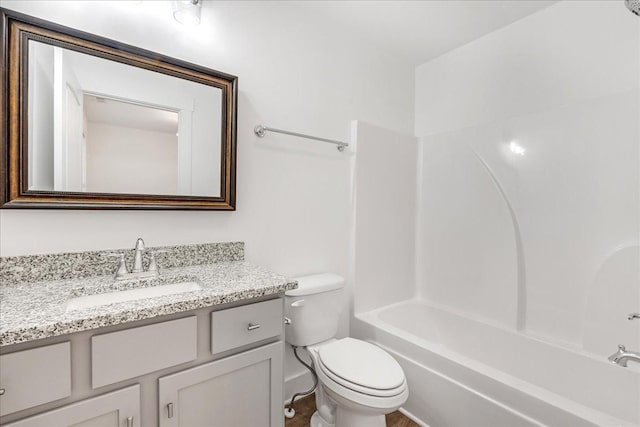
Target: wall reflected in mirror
{"type": "Point", "coordinates": [129, 148]}
{"type": "Point", "coordinates": [100, 126]}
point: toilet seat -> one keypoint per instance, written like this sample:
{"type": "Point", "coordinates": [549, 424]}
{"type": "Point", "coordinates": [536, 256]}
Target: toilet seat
{"type": "Point", "coordinates": [360, 389]}
{"type": "Point", "coordinates": [355, 397]}
{"type": "Point", "coordinates": [361, 367]}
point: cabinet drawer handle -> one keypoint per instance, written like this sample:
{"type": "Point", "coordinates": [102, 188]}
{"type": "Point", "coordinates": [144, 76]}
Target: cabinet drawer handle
{"type": "Point", "coordinates": [130, 422]}
{"type": "Point", "coordinates": [1, 391]}
{"type": "Point", "coordinates": [253, 326]}
{"type": "Point", "coordinates": [170, 410]}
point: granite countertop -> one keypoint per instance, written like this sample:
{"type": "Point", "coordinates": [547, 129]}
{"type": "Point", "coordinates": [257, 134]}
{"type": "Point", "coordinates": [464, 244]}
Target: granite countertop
{"type": "Point", "coordinates": [31, 311]}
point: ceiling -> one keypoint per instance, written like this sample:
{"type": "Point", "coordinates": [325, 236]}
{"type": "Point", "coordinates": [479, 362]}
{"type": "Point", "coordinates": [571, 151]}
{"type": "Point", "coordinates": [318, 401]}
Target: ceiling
{"type": "Point", "coordinates": [419, 31]}
{"type": "Point", "coordinates": [415, 31]}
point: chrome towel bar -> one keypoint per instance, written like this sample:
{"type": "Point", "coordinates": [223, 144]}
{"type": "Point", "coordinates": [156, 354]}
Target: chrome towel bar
{"type": "Point", "coordinates": [260, 130]}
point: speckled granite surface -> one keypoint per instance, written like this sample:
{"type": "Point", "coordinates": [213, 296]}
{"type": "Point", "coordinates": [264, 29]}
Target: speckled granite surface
{"type": "Point", "coordinates": [36, 268]}
{"type": "Point", "coordinates": [31, 311]}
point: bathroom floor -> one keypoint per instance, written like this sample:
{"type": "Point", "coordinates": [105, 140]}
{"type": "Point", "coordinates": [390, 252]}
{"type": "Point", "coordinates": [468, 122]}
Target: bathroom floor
{"type": "Point", "coordinates": [306, 407]}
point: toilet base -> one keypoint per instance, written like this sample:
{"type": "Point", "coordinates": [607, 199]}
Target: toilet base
{"type": "Point", "coordinates": [346, 417]}
{"type": "Point", "coordinates": [317, 421]}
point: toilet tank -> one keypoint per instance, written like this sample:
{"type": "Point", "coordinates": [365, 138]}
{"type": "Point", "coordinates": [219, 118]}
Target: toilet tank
{"type": "Point", "coordinates": [314, 309]}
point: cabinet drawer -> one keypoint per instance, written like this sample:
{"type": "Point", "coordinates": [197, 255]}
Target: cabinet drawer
{"type": "Point", "coordinates": [33, 377]}
{"type": "Point", "coordinates": [121, 355]}
{"type": "Point", "coordinates": [243, 325]}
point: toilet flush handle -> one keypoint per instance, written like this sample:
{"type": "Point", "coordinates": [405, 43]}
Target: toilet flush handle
{"type": "Point", "coordinates": [298, 303]}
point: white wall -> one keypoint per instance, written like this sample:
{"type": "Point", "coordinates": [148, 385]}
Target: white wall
{"type": "Point", "coordinates": [293, 195]}
{"type": "Point", "coordinates": [385, 217]}
{"type": "Point", "coordinates": [292, 74]}
{"type": "Point", "coordinates": [128, 160]}
{"type": "Point", "coordinates": [546, 241]}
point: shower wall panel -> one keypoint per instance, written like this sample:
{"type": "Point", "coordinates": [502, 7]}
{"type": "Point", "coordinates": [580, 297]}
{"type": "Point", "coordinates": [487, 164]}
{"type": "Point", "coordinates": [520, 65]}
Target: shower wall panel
{"type": "Point", "coordinates": [530, 193]}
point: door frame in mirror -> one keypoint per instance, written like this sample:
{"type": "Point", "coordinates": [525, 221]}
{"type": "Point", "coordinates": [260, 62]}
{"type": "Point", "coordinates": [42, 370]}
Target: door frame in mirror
{"type": "Point", "coordinates": [16, 30]}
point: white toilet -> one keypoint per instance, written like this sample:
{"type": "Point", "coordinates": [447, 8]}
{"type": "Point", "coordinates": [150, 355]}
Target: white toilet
{"type": "Point", "coordinates": [358, 382]}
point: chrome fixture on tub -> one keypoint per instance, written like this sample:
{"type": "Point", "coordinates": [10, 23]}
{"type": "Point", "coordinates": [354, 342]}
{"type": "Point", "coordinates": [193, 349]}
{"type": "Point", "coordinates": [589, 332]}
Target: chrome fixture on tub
{"type": "Point", "coordinates": [137, 271]}
{"type": "Point", "coordinates": [622, 356]}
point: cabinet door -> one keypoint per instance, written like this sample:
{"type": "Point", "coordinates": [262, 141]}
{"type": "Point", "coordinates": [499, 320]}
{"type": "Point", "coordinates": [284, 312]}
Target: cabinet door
{"type": "Point", "coordinates": [116, 409]}
{"type": "Point", "coordinates": [244, 390]}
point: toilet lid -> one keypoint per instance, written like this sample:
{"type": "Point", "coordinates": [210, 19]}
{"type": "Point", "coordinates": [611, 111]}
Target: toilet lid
{"type": "Point", "coordinates": [362, 363]}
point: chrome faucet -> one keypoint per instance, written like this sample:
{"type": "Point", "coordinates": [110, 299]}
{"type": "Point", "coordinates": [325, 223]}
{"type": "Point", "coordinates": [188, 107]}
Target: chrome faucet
{"type": "Point", "coordinates": [137, 271]}
{"type": "Point", "coordinates": [137, 258]}
{"type": "Point", "coordinates": [622, 356]}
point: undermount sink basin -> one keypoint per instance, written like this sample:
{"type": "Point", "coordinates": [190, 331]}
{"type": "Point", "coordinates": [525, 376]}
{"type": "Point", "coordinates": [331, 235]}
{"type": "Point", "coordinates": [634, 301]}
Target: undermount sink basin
{"type": "Point", "coordinates": [97, 300]}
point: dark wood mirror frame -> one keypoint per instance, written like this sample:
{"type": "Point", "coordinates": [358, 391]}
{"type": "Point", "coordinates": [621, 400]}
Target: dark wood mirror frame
{"type": "Point", "coordinates": [16, 31]}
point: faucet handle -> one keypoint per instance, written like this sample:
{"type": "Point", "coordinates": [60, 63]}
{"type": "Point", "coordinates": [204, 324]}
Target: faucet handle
{"type": "Point", "coordinates": [153, 265]}
{"type": "Point", "coordinates": [122, 265]}
{"type": "Point", "coordinates": [633, 316]}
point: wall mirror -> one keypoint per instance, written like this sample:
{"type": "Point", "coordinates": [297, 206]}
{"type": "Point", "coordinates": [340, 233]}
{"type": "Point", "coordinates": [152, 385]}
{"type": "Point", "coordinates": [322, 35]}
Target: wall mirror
{"type": "Point", "coordinates": [91, 123]}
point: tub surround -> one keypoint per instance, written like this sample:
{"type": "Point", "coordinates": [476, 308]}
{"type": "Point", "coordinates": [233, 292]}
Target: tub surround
{"type": "Point", "coordinates": [36, 289]}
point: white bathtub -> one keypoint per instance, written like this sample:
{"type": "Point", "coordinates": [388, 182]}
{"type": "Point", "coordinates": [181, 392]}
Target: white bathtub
{"type": "Point", "coordinates": [467, 373]}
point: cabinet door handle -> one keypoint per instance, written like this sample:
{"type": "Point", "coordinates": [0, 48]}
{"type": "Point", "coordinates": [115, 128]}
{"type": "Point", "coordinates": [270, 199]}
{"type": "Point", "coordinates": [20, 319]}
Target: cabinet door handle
{"type": "Point", "coordinates": [1, 391]}
{"type": "Point", "coordinates": [130, 422]}
{"type": "Point", "coordinates": [170, 410]}
{"type": "Point", "coordinates": [253, 326]}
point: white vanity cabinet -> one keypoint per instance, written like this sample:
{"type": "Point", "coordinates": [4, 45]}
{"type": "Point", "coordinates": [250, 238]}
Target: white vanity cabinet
{"type": "Point", "coordinates": [207, 367]}
{"type": "Point", "coordinates": [116, 409]}
{"type": "Point", "coordinates": [243, 390]}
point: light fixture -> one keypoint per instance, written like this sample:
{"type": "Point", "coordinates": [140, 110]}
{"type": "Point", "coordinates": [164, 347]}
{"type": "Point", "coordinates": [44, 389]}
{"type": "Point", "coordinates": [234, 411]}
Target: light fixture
{"type": "Point", "coordinates": [187, 12]}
